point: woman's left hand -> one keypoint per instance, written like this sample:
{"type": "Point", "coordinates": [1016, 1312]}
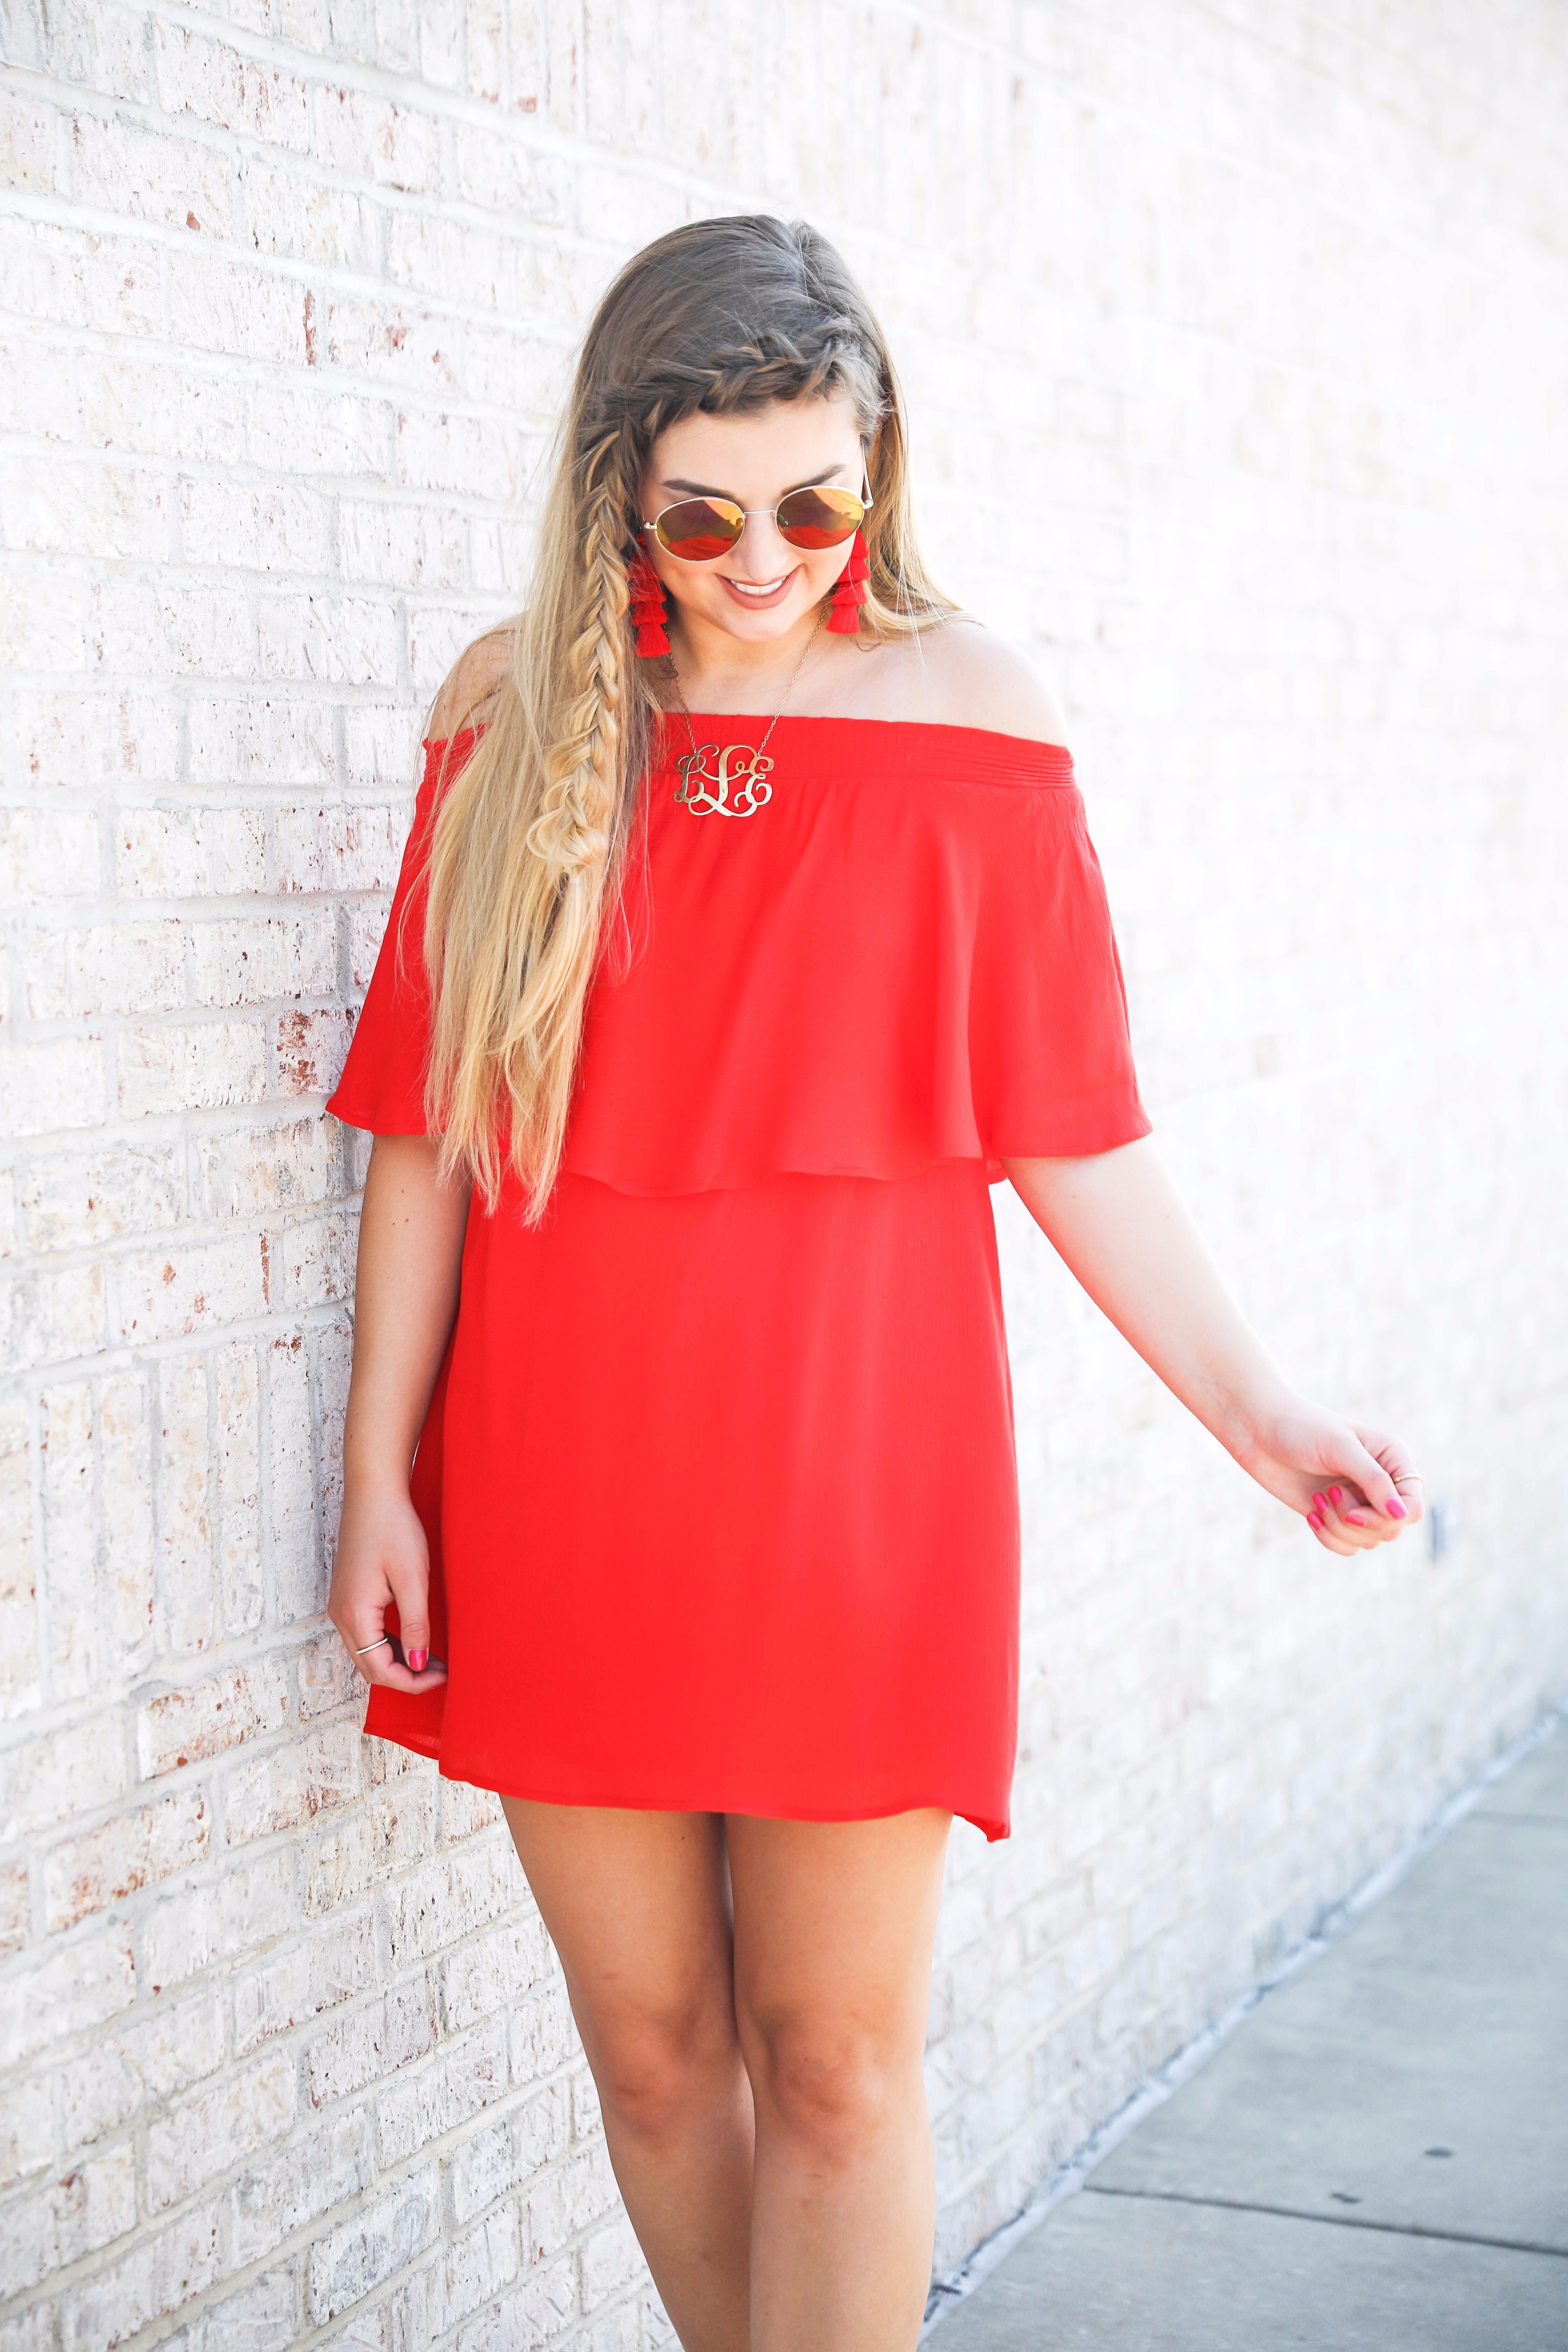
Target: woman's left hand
{"type": "Point", "coordinates": [1356, 1486]}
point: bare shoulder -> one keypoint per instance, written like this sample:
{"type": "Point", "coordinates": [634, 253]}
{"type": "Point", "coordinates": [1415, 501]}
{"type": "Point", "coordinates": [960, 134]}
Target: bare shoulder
{"type": "Point", "coordinates": [973, 678]}
{"type": "Point", "coordinates": [475, 679]}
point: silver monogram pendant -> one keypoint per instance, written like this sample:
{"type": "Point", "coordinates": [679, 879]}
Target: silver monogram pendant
{"type": "Point", "coordinates": [705, 789]}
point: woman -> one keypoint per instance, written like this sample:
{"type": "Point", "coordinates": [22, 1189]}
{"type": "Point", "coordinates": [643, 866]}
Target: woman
{"type": "Point", "coordinates": [748, 929]}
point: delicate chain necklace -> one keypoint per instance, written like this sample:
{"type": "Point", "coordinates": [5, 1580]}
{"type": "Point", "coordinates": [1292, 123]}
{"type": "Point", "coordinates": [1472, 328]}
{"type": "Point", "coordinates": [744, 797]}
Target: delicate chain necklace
{"type": "Point", "coordinates": [705, 790]}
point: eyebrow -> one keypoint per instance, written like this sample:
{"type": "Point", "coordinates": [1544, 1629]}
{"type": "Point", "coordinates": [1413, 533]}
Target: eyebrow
{"type": "Point", "coordinates": [706, 489]}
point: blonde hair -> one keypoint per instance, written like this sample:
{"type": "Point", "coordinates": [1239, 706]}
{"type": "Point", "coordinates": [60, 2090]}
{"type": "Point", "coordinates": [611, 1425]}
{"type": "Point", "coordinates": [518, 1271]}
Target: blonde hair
{"type": "Point", "coordinates": [528, 846]}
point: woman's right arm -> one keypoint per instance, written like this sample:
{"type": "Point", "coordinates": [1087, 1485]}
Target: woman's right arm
{"type": "Point", "coordinates": [410, 1257]}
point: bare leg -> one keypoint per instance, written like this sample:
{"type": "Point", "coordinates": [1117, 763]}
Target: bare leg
{"type": "Point", "coordinates": [636, 1905]}
{"type": "Point", "coordinates": [834, 1927]}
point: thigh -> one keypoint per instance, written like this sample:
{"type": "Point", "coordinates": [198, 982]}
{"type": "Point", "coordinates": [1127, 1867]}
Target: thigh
{"type": "Point", "coordinates": [637, 1907]}
{"type": "Point", "coordinates": [837, 1919]}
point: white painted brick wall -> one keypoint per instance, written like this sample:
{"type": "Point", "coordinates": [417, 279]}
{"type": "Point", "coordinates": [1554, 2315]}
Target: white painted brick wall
{"type": "Point", "coordinates": [1238, 348]}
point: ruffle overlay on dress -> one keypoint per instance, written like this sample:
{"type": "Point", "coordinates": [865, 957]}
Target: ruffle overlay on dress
{"type": "Point", "coordinates": [904, 957]}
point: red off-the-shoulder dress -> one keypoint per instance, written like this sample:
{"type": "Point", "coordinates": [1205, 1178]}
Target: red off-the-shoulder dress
{"type": "Point", "coordinates": [719, 1475]}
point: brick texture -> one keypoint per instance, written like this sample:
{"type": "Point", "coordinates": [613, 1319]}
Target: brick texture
{"type": "Point", "coordinates": [1237, 346]}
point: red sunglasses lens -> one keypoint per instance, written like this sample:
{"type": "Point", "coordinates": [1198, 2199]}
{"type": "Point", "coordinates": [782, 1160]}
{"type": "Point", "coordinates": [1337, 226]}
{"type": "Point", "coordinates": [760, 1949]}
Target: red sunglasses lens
{"type": "Point", "coordinates": [699, 529]}
{"type": "Point", "coordinates": [819, 518]}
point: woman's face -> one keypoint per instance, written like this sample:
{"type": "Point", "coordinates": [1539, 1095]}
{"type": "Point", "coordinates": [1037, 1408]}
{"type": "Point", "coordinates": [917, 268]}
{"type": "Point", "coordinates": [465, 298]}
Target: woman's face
{"type": "Point", "coordinates": [762, 588]}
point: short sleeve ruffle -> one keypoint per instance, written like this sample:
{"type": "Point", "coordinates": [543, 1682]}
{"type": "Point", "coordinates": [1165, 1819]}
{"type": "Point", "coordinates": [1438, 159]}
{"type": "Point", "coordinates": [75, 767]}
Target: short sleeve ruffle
{"type": "Point", "coordinates": [905, 957]}
{"type": "Point", "coordinates": [382, 1087]}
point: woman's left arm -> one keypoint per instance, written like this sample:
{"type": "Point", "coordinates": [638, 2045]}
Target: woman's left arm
{"type": "Point", "coordinates": [1118, 1221]}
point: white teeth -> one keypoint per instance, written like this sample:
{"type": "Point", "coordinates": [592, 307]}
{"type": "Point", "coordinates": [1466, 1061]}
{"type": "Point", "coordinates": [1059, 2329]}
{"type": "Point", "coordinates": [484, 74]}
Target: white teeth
{"type": "Point", "coordinates": [756, 587]}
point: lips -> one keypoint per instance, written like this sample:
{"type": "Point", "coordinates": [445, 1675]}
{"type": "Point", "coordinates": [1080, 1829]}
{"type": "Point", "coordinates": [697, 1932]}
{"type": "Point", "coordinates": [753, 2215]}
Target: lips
{"type": "Point", "coordinates": [750, 601]}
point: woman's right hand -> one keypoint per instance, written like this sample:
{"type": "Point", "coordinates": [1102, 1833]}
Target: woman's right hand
{"type": "Point", "coordinates": [383, 1560]}
{"type": "Point", "coordinates": [410, 1255]}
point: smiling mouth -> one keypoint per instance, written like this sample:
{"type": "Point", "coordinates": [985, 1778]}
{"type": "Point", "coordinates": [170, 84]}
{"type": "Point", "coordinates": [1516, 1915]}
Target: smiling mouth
{"type": "Point", "coordinates": [759, 592]}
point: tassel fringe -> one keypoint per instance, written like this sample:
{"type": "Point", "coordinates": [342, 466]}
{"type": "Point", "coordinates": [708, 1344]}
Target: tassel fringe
{"type": "Point", "coordinates": [851, 594]}
{"type": "Point", "coordinates": [649, 607]}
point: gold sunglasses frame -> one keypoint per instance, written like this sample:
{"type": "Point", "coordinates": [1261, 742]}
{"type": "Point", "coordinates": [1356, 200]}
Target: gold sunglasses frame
{"type": "Point", "coordinates": [864, 495]}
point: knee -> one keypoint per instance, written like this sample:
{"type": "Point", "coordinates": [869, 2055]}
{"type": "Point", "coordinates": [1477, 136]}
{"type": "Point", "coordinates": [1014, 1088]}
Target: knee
{"type": "Point", "coordinates": [834, 2085]}
{"type": "Point", "coordinates": [662, 2073]}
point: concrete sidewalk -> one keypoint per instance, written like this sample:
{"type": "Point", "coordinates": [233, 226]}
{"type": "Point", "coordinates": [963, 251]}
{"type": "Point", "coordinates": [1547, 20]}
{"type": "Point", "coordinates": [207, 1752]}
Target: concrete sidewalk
{"type": "Point", "coordinates": [1378, 2158]}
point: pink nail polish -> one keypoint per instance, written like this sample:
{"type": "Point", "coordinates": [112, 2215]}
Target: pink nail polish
{"type": "Point", "coordinates": [1334, 1496]}
{"type": "Point", "coordinates": [1322, 1501]}
{"type": "Point", "coordinates": [1395, 1508]}
{"type": "Point", "coordinates": [1314, 1522]}
{"type": "Point", "coordinates": [417, 1661]}
{"type": "Point", "coordinates": [1356, 1519]}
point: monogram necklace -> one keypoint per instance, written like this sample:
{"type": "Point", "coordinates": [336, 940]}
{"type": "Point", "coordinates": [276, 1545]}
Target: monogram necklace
{"type": "Point", "coordinates": [704, 788]}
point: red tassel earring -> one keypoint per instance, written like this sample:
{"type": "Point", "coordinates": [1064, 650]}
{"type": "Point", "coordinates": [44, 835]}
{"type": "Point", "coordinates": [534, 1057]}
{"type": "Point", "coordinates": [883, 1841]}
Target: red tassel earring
{"type": "Point", "coordinates": [844, 612]}
{"type": "Point", "coordinates": [651, 609]}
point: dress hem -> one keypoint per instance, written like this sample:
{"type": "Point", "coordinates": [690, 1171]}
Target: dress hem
{"type": "Point", "coordinates": [424, 1744]}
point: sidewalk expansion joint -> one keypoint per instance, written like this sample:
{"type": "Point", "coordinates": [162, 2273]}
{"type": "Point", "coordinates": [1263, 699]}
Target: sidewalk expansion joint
{"type": "Point", "coordinates": [1332, 2220]}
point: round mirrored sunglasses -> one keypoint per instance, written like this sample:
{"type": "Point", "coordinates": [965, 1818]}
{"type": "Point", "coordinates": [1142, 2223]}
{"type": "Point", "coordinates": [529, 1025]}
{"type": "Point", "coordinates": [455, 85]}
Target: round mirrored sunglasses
{"type": "Point", "coordinates": [699, 530]}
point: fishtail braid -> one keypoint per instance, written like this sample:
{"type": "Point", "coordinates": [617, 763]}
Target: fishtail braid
{"type": "Point", "coordinates": [575, 826]}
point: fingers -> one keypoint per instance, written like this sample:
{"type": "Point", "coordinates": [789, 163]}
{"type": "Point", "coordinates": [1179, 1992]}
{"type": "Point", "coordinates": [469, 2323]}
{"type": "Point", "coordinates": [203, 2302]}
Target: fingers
{"type": "Point", "coordinates": [377, 1656]}
{"type": "Point", "coordinates": [382, 1657]}
{"type": "Point", "coordinates": [411, 1591]}
{"type": "Point", "coordinates": [1342, 1523]}
{"type": "Point", "coordinates": [1368, 1490]}
{"type": "Point", "coordinates": [1328, 1525]}
{"type": "Point", "coordinates": [1383, 1468]}
{"type": "Point", "coordinates": [385, 1664]}
{"type": "Point", "coordinates": [377, 1653]}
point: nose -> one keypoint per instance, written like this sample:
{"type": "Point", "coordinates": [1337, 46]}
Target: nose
{"type": "Point", "coordinates": [760, 554]}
